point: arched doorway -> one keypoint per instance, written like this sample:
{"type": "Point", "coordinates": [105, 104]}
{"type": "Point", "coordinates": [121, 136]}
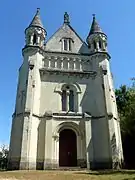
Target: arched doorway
{"type": "Point", "coordinates": [67, 148]}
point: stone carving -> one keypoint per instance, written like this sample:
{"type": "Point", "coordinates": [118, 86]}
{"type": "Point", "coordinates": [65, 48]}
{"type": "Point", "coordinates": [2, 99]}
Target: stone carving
{"type": "Point", "coordinates": [66, 18]}
{"type": "Point", "coordinates": [56, 138]}
{"type": "Point", "coordinates": [48, 113]}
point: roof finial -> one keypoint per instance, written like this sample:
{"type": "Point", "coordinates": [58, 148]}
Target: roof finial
{"type": "Point", "coordinates": [66, 18]}
{"type": "Point", "coordinates": [94, 16]}
{"type": "Point", "coordinates": [38, 11]}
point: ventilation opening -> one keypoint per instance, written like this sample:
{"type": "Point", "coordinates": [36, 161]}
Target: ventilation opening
{"type": "Point", "coordinates": [34, 39]}
{"type": "Point", "coordinates": [100, 45]}
{"type": "Point", "coordinates": [95, 46]}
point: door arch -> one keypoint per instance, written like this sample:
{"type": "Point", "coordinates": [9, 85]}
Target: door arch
{"type": "Point", "coordinates": [67, 148]}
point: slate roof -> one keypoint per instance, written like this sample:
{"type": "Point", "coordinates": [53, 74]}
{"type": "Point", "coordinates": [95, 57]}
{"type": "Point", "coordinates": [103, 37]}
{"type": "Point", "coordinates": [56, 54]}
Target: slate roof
{"type": "Point", "coordinates": [36, 21]}
{"type": "Point", "coordinates": [95, 28]}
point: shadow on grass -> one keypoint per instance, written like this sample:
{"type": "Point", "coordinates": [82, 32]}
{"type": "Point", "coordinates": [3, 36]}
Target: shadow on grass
{"type": "Point", "coordinates": [107, 172]}
{"type": "Point", "coordinates": [3, 170]}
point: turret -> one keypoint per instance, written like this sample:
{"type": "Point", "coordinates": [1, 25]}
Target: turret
{"type": "Point", "coordinates": [35, 33]}
{"type": "Point", "coordinates": [97, 40]}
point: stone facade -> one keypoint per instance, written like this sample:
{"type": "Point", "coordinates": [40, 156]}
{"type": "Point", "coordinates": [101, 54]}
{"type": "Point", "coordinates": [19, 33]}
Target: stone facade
{"type": "Point", "coordinates": [65, 83]}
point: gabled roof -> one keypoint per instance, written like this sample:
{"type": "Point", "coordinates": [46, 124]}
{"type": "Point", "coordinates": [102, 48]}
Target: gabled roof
{"type": "Point", "coordinates": [67, 23]}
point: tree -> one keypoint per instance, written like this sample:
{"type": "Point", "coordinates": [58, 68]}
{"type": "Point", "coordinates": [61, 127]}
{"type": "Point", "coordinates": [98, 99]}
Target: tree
{"type": "Point", "coordinates": [125, 97]}
{"type": "Point", "coordinates": [3, 156]}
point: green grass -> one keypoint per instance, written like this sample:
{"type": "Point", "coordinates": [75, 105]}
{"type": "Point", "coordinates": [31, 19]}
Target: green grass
{"type": "Point", "coordinates": [68, 175]}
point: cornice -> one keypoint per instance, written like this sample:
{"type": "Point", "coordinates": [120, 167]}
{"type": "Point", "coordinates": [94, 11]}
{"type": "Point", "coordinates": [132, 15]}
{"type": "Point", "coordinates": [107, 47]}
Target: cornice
{"type": "Point", "coordinates": [64, 115]}
{"type": "Point", "coordinates": [42, 51]}
{"type": "Point", "coordinates": [25, 113]}
{"type": "Point", "coordinates": [99, 54]}
{"type": "Point", "coordinates": [81, 74]}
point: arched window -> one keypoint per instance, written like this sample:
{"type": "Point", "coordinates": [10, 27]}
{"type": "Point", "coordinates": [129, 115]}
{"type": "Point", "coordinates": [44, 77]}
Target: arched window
{"type": "Point", "coordinates": [70, 46]}
{"type": "Point", "coordinates": [95, 45]}
{"type": "Point", "coordinates": [65, 44]}
{"type": "Point", "coordinates": [71, 100]}
{"type": "Point", "coordinates": [68, 99]}
{"type": "Point", "coordinates": [34, 39]}
{"type": "Point", "coordinates": [100, 45]}
{"type": "Point", "coordinates": [64, 100]}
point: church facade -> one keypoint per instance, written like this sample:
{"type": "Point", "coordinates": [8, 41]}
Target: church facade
{"type": "Point", "coordinates": [65, 113]}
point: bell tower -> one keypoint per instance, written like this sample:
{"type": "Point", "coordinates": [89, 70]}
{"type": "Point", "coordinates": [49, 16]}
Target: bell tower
{"type": "Point", "coordinates": [106, 136]}
{"type": "Point", "coordinates": [97, 40]}
{"type": "Point", "coordinates": [22, 154]}
{"type": "Point", "coordinates": [35, 33]}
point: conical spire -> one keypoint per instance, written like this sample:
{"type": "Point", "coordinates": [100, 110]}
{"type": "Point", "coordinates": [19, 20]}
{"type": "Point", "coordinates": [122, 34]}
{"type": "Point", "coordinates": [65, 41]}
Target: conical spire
{"type": "Point", "coordinates": [36, 20]}
{"type": "Point", "coordinates": [95, 28]}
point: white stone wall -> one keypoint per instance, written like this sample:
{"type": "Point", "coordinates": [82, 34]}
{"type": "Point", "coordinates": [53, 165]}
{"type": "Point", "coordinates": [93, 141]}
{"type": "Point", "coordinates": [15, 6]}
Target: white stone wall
{"type": "Point", "coordinates": [41, 77]}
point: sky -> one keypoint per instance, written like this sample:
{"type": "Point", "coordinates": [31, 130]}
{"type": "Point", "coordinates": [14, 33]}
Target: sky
{"type": "Point", "coordinates": [116, 18]}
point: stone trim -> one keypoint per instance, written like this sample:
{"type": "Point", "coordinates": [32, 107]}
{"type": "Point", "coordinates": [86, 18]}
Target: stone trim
{"type": "Point", "coordinates": [98, 117]}
{"type": "Point", "coordinates": [25, 113]}
{"type": "Point", "coordinates": [81, 74]}
{"type": "Point", "coordinates": [44, 52]}
{"type": "Point", "coordinates": [58, 87]}
{"type": "Point", "coordinates": [62, 115]}
{"type": "Point", "coordinates": [70, 125]}
{"type": "Point", "coordinates": [68, 115]}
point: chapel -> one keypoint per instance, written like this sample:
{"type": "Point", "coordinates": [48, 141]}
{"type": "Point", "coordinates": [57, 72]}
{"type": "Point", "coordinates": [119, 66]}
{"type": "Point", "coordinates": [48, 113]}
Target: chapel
{"type": "Point", "coordinates": [65, 112]}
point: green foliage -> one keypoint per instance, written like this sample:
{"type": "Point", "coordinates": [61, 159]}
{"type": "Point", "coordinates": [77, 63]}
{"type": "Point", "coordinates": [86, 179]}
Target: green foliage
{"type": "Point", "coordinates": [125, 97]}
{"type": "Point", "coordinates": [3, 157]}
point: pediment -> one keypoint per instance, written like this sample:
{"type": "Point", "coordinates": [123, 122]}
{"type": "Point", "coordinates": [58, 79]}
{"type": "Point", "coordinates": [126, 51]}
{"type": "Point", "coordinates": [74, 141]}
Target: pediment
{"type": "Point", "coordinates": [66, 32]}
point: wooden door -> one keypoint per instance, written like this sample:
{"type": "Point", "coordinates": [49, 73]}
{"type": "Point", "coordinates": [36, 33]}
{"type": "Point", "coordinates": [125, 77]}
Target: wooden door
{"type": "Point", "coordinates": [67, 148]}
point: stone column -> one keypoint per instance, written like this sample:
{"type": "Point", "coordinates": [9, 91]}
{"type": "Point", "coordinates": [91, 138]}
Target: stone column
{"type": "Point", "coordinates": [62, 59]}
{"type": "Point", "coordinates": [65, 63]}
{"type": "Point", "coordinates": [71, 63]}
{"type": "Point", "coordinates": [31, 39]}
{"type": "Point", "coordinates": [97, 45]}
{"type": "Point", "coordinates": [46, 62]}
{"type": "Point", "coordinates": [52, 62]}
{"type": "Point", "coordinates": [49, 62]}
{"type": "Point", "coordinates": [74, 66]}
{"type": "Point", "coordinates": [78, 149]}
{"type": "Point", "coordinates": [56, 151]}
{"type": "Point", "coordinates": [77, 64]}
{"type": "Point", "coordinates": [67, 105]}
{"type": "Point", "coordinates": [59, 63]}
{"type": "Point", "coordinates": [55, 62]}
{"type": "Point", "coordinates": [38, 40]}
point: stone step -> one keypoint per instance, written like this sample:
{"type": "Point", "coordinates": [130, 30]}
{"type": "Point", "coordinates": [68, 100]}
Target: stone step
{"type": "Point", "coordinates": [70, 169]}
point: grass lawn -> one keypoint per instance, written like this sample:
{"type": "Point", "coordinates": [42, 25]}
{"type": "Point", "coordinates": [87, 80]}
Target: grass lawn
{"type": "Point", "coordinates": [67, 175]}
